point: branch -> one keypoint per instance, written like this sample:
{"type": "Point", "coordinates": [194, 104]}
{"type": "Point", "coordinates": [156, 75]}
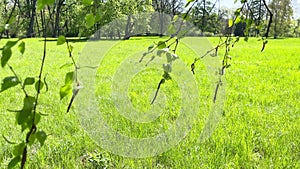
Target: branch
{"type": "Point", "coordinates": [271, 18]}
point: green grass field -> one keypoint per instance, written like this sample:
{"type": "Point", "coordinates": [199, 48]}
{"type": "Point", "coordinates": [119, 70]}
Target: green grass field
{"type": "Point", "coordinates": [259, 127]}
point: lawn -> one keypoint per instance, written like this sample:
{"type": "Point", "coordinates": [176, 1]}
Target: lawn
{"type": "Point", "coordinates": [259, 127]}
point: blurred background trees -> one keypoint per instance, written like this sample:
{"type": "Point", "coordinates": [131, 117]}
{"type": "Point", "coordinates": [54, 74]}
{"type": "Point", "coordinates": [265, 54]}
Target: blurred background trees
{"type": "Point", "coordinates": [69, 17]}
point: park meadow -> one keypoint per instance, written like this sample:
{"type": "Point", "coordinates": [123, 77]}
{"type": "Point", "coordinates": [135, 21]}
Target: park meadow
{"type": "Point", "coordinates": [259, 127]}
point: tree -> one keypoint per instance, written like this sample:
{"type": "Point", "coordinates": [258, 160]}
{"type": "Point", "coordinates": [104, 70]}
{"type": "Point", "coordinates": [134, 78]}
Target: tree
{"type": "Point", "coordinates": [205, 16]}
{"type": "Point", "coordinates": [258, 13]}
{"type": "Point", "coordinates": [283, 12]}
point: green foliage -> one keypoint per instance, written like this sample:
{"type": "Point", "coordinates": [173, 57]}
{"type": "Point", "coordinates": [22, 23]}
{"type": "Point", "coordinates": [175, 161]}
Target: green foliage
{"type": "Point", "coordinates": [39, 86]}
{"type": "Point", "coordinates": [9, 82]}
{"type": "Point", "coordinates": [42, 3]}
{"type": "Point", "coordinates": [61, 40]}
{"type": "Point", "coordinates": [256, 118]}
{"type": "Point", "coordinates": [6, 52]}
{"type": "Point", "coordinates": [41, 137]}
{"type": "Point", "coordinates": [90, 20]}
{"type": "Point", "coordinates": [66, 89]}
{"type": "Point", "coordinates": [14, 162]}
{"type": "Point", "coordinates": [21, 47]}
{"type": "Point", "coordinates": [161, 45]}
{"type": "Point", "coordinates": [29, 81]}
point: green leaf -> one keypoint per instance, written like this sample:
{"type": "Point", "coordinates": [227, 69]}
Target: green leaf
{"type": "Point", "coordinates": [87, 2]}
{"type": "Point", "coordinates": [40, 4]}
{"type": "Point", "coordinates": [41, 137]}
{"type": "Point", "coordinates": [171, 29]}
{"type": "Point", "coordinates": [2, 28]}
{"type": "Point", "coordinates": [66, 65]}
{"type": "Point", "coordinates": [43, 3]}
{"type": "Point", "coordinates": [29, 81]}
{"type": "Point", "coordinates": [230, 23]}
{"type": "Point", "coordinates": [39, 84]}
{"type": "Point", "coordinates": [65, 90]}
{"type": "Point", "coordinates": [31, 139]}
{"type": "Point", "coordinates": [175, 18]}
{"type": "Point", "coordinates": [21, 47]}
{"type": "Point", "coordinates": [167, 76]}
{"type": "Point", "coordinates": [10, 44]}
{"type": "Point", "coordinates": [9, 82]}
{"type": "Point", "coordinates": [26, 115]}
{"type": "Point", "coordinates": [6, 55]}
{"type": "Point", "coordinates": [150, 47]}
{"type": "Point", "coordinates": [188, 3]}
{"type": "Point", "coordinates": [161, 45]}
{"type": "Point", "coordinates": [71, 48]}
{"type": "Point", "coordinates": [69, 78]}
{"type": "Point", "coordinates": [37, 118]}
{"type": "Point", "coordinates": [160, 52]}
{"type": "Point", "coordinates": [90, 20]}
{"type": "Point", "coordinates": [14, 162]}
{"type": "Point", "coordinates": [169, 57]}
{"type": "Point", "coordinates": [238, 20]}
{"type": "Point", "coordinates": [18, 149]}
{"type": "Point", "coordinates": [28, 103]}
{"type": "Point", "coordinates": [167, 68]}
{"type": "Point", "coordinates": [61, 40]}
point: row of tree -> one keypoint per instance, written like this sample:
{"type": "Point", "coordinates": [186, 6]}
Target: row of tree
{"type": "Point", "coordinates": [84, 17]}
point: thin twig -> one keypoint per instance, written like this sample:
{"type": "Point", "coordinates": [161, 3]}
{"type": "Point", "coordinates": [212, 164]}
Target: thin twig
{"type": "Point", "coordinates": [157, 90]}
{"type": "Point", "coordinates": [18, 79]}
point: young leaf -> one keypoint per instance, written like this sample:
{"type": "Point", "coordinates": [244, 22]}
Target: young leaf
{"type": "Point", "coordinates": [175, 18]}
{"type": "Point", "coordinates": [41, 137]}
{"type": "Point", "coordinates": [21, 47]}
{"type": "Point", "coordinates": [42, 3]}
{"type": "Point", "coordinates": [37, 118]}
{"type": "Point", "coordinates": [167, 68]}
{"type": "Point", "coordinates": [28, 104]}
{"type": "Point", "coordinates": [150, 47]}
{"type": "Point", "coordinates": [18, 149]}
{"type": "Point", "coordinates": [167, 76]}
{"type": "Point", "coordinates": [61, 40]}
{"type": "Point", "coordinates": [65, 90]}
{"type": "Point", "coordinates": [90, 20]}
{"type": "Point", "coordinates": [29, 81]}
{"type": "Point", "coordinates": [66, 65]}
{"type": "Point", "coordinates": [230, 23]}
{"type": "Point", "coordinates": [188, 3]}
{"type": "Point", "coordinates": [87, 2]}
{"type": "Point", "coordinates": [71, 48]}
{"type": "Point", "coordinates": [69, 78]}
{"type": "Point", "coordinates": [14, 162]}
{"type": "Point", "coordinates": [238, 20]}
{"type": "Point", "coordinates": [39, 84]}
{"type": "Point", "coordinates": [171, 29]}
{"type": "Point", "coordinates": [10, 44]}
{"type": "Point", "coordinates": [9, 82]}
{"type": "Point", "coordinates": [161, 45]}
{"type": "Point", "coordinates": [31, 139]}
{"type": "Point", "coordinates": [6, 54]}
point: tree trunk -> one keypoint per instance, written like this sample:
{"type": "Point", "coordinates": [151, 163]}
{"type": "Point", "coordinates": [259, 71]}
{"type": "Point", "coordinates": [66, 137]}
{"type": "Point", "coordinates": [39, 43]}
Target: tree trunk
{"type": "Point", "coordinates": [30, 30]}
{"type": "Point", "coordinates": [128, 27]}
{"type": "Point", "coordinates": [57, 18]}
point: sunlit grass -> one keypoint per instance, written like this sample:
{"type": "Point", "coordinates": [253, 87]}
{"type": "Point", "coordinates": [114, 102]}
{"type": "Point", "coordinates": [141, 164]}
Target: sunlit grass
{"type": "Point", "coordinates": [259, 128]}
